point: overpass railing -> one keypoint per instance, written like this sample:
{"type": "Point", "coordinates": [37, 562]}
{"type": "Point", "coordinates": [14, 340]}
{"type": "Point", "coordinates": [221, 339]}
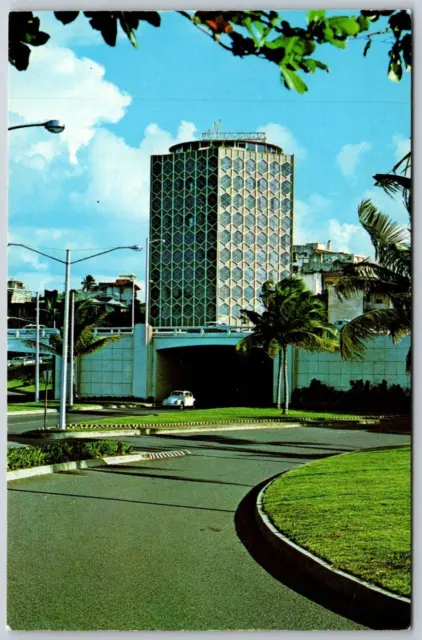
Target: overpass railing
{"type": "Point", "coordinates": [109, 331]}
{"type": "Point", "coordinates": [200, 331]}
{"type": "Point", "coordinates": [31, 333]}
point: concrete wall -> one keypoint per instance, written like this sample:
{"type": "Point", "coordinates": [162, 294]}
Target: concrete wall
{"type": "Point", "coordinates": [116, 370]}
{"type": "Point", "coordinates": [347, 309]}
{"type": "Point", "coordinates": [383, 361]}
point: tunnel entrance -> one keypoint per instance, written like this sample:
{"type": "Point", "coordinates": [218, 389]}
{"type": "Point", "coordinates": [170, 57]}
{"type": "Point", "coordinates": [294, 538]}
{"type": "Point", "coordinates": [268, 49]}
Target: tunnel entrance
{"type": "Point", "coordinates": [216, 375]}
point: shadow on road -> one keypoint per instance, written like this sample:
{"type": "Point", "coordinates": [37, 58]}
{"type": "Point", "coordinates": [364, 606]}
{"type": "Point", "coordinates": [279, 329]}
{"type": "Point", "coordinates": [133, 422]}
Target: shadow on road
{"type": "Point", "coordinates": [89, 497]}
{"type": "Point", "coordinates": [282, 567]}
{"type": "Point", "coordinates": [158, 476]}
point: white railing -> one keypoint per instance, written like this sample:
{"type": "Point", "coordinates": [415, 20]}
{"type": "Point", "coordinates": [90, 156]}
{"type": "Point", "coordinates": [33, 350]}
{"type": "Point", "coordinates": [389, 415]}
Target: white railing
{"type": "Point", "coordinates": [31, 333]}
{"type": "Point", "coordinates": [109, 331]}
{"type": "Point", "coordinates": [200, 331]}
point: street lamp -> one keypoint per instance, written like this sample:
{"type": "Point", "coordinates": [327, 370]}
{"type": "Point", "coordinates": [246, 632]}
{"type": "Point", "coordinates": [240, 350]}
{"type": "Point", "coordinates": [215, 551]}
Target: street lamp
{"type": "Point", "coordinates": [68, 263]}
{"type": "Point", "coordinates": [53, 126]}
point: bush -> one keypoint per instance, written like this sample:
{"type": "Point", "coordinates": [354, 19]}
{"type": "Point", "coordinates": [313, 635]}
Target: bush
{"type": "Point", "coordinates": [35, 456]}
{"type": "Point", "coordinates": [362, 396]}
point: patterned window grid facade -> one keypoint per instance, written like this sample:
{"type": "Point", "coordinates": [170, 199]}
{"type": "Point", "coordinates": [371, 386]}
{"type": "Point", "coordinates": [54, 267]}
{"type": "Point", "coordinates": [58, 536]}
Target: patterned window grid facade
{"type": "Point", "coordinates": [225, 215]}
{"type": "Point", "coordinates": [255, 221]}
{"type": "Point", "coordinates": [183, 214]}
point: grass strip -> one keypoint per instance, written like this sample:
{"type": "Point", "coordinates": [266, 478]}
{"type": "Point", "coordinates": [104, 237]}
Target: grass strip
{"type": "Point", "coordinates": [353, 511]}
{"type": "Point", "coordinates": [225, 413]}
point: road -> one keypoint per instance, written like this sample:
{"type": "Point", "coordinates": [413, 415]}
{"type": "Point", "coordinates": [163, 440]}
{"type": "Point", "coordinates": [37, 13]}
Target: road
{"type": "Point", "coordinates": [18, 423]}
{"type": "Point", "coordinates": [168, 544]}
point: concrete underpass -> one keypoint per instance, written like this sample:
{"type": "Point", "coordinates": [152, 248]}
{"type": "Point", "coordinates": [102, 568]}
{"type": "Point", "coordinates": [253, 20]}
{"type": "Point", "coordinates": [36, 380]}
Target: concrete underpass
{"type": "Point", "coordinates": [216, 375]}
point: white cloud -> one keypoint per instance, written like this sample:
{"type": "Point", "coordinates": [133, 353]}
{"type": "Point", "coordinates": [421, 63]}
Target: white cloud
{"type": "Point", "coordinates": [401, 146]}
{"type": "Point", "coordinates": [348, 237]}
{"type": "Point", "coordinates": [59, 85]}
{"type": "Point", "coordinates": [120, 174]}
{"type": "Point", "coordinates": [312, 224]}
{"type": "Point", "coordinates": [283, 137]}
{"type": "Point", "coordinates": [307, 215]}
{"type": "Point", "coordinates": [349, 157]}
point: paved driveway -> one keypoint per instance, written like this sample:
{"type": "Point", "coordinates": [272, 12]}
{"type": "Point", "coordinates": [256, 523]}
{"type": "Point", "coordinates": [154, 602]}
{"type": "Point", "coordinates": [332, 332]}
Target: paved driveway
{"type": "Point", "coordinates": [164, 544]}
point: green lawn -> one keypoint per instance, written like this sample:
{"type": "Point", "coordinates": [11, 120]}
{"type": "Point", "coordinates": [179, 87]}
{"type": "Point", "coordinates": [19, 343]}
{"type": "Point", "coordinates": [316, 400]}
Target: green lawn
{"type": "Point", "coordinates": [352, 510]}
{"type": "Point", "coordinates": [225, 413]}
{"type": "Point", "coordinates": [26, 387]}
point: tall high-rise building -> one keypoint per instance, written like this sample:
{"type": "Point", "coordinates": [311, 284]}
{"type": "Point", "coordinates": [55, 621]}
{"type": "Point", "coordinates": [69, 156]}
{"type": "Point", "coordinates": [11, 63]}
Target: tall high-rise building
{"type": "Point", "coordinates": [224, 208]}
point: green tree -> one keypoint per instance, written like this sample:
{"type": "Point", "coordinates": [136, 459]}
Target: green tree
{"type": "Point", "coordinates": [87, 319]}
{"type": "Point", "coordinates": [293, 316]}
{"type": "Point", "coordinates": [389, 275]}
{"type": "Point", "coordinates": [88, 283]}
{"type": "Point", "coordinates": [263, 34]}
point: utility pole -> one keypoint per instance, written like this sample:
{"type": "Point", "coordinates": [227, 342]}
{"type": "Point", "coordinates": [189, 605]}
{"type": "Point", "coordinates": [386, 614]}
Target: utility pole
{"type": "Point", "coordinates": [72, 349]}
{"type": "Point", "coordinates": [65, 355]}
{"type": "Point", "coordinates": [133, 305]}
{"type": "Point", "coordinates": [146, 290]}
{"type": "Point", "coordinates": [37, 352]}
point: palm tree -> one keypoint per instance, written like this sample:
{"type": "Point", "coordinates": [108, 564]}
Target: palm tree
{"type": "Point", "coordinates": [293, 316]}
{"type": "Point", "coordinates": [85, 340]}
{"type": "Point", "coordinates": [398, 183]}
{"type": "Point", "coordinates": [88, 283]}
{"type": "Point", "coordinates": [389, 274]}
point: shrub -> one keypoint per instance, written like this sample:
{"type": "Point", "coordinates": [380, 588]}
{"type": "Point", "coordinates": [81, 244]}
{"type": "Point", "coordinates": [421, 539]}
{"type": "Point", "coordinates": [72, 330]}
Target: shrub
{"type": "Point", "coordinates": [35, 456]}
{"type": "Point", "coordinates": [362, 396]}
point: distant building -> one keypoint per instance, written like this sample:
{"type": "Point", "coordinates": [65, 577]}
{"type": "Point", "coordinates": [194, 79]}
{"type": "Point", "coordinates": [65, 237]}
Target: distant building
{"type": "Point", "coordinates": [16, 292]}
{"type": "Point", "coordinates": [317, 257]}
{"type": "Point", "coordinates": [113, 295]}
{"type": "Point", "coordinates": [321, 268]}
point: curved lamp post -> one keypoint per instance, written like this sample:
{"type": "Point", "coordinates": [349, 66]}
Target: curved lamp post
{"type": "Point", "coordinates": [68, 263]}
{"type": "Point", "coordinates": [53, 126]}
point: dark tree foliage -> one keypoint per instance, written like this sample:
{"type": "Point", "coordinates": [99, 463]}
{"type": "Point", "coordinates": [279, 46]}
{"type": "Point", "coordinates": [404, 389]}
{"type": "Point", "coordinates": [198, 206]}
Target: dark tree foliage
{"type": "Point", "coordinates": [263, 34]}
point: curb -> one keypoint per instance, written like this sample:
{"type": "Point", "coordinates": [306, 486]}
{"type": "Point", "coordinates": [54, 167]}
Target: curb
{"type": "Point", "coordinates": [18, 474]}
{"type": "Point", "coordinates": [393, 610]}
{"type": "Point", "coordinates": [152, 428]}
{"type": "Point", "coordinates": [145, 431]}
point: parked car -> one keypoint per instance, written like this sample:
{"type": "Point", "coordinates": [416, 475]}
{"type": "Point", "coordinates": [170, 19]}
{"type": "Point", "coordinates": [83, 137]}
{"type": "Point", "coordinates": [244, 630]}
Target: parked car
{"type": "Point", "coordinates": [21, 360]}
{"type": "Point", "coordinates": [221, 326]}
{"type": "Point", "coordinates": [33, 327]}
{"type": "Point", "coordinates": [180, 400]}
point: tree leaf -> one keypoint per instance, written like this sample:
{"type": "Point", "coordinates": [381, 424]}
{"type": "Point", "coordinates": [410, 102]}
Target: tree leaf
{"type": "Point", "coordinates": [38, 39]}
{"type": "Point", "coordinates": [152, 17]}
{"type": "Point", "coordinates": [315, 16]}
{"type": "Point", "coordinates": [395, 70]}
{"type": "Point", "coordinates": [349, 26]}
{"type": "Point", "coordinates": [277, 43]}
{"type": "Point", "coordinates": [66, 17]}
{"type": "Point", "coordinates": [106, 23]}
{"type": "Point", "coordinates": [19, 56]}
{"type": "Point", "coordinates": [128, 29]}
{"type": "Point", "coordinates": [292, 80]}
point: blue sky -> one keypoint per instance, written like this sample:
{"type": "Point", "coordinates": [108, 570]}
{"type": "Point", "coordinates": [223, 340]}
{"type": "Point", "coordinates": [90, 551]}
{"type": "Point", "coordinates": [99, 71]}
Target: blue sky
{"type": "Point", "coordinates": [88, 188]}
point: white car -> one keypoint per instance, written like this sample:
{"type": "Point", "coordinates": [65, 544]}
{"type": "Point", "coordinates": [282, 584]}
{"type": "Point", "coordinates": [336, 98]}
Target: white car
{"type": "Point", "coordinates": [33, 327]}
{"type": "Point", "coordinates": [179, 400]}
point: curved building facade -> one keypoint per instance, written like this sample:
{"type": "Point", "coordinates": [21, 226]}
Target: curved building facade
{"type": "Point", "coordinates": [224, 209]}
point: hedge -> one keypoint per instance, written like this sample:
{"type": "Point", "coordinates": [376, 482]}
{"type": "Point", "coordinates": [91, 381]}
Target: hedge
{"type": "Point", "coordinates": [37, 456]}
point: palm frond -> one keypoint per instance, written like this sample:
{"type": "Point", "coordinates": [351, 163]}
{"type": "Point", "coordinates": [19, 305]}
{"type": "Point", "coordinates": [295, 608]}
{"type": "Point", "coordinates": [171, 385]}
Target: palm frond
{"type": "Point", "coordinates": [95, 345]}
{"type": "Point", "coordinates": [32, 344]}
{"type": "Point", "coordinates": [382, 230]}
{"type": "Point", "coordinates": [355, 334]}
